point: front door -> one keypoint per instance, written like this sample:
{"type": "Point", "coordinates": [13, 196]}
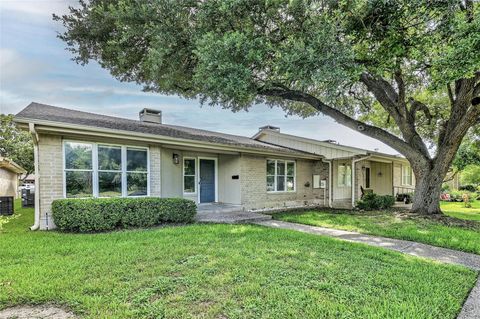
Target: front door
{"type": "Point", "coordinates": [207, 181]}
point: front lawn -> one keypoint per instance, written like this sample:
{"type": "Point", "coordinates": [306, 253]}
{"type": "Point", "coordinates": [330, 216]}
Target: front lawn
{"type": "Point", "coordinates": [459, 210]}
{"type": "Point", "coordinates": [221, 271]}
{"type": "Point", "coordinates": [389, 224]}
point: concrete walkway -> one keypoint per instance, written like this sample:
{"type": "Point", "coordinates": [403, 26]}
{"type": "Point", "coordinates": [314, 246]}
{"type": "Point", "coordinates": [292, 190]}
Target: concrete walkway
{"type": "Point", "coordinates": [470, 309]}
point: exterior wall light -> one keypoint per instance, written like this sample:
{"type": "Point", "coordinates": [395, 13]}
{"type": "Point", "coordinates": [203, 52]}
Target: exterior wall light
{"type": "Point", "coordinates": [176, 159]}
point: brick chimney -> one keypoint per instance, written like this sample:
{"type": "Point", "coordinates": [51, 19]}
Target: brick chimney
{"type": "Point", "coordinates": [150, 116]}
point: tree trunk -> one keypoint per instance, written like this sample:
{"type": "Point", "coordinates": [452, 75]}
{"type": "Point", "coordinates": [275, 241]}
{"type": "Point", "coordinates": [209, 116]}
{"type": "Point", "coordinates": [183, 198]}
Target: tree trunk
{"type": "Point", "coordinates": [428, 187]}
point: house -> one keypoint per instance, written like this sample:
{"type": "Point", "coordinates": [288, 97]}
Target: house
{"type": "Point", "coordinates": [9, 177]}
{"type": "Point", "coordinates": [79, 155]}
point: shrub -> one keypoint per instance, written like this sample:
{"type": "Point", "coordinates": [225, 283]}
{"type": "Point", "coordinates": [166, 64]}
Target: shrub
{"type": "Point", "coordinates": [371, 201]}
{"type": "Point", "coordinates": [407, 198]}
{"type": "Point", "coordinates": [103, 214]}
{"type": "Point", "coordinates": [470, 188]}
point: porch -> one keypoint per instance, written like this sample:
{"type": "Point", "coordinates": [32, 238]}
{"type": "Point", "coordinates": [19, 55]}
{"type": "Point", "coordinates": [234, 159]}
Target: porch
{"type": "Point", "coordinates": [227, 214]}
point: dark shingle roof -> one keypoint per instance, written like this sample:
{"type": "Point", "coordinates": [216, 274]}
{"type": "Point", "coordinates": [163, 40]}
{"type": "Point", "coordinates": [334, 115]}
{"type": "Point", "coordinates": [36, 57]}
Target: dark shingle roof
{"type": "Point", "coordinates": [37, 111]}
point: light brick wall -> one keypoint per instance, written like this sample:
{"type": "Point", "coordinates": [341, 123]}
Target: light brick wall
{"type": "Point", "coordinates": [50, 160]}
{"type": "Point", "coordinates": [254, 185]}
{"type": "Point", "coordinates": [50, 149]}
{"type": "Point", "coordinates": [155, 179]}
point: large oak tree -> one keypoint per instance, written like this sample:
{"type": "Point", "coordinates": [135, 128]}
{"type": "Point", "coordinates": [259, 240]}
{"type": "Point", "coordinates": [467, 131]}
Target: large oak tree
{"type": "Point", "coordinates": [405, 72]}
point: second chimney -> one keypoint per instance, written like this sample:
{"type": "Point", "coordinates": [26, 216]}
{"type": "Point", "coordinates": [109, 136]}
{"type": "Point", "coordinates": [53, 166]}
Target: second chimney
{"type": "Point", "coordinates": [150, 116]}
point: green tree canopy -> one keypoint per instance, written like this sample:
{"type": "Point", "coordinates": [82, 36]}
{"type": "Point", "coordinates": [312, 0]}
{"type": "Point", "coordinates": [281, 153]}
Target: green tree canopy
{"type": "Point", "coordinates": [16, 144]}
{"type": "Point", "coordinates": [413, 63]}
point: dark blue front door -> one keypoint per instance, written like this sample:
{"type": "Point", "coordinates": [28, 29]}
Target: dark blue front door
{"type": "Point", "coordinates": [207, 181]}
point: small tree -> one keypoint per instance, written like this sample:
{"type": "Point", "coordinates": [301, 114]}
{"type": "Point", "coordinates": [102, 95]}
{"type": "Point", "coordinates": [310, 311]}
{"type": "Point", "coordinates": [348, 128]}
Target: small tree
{"type": "Point", "coordinates": [405, 72]}
{"type": "Point", "coordinates": [16, 144]}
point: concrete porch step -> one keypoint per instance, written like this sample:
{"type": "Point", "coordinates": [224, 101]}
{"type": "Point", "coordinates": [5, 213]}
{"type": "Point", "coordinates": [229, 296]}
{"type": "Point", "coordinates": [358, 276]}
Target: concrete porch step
{"type": "Point", "coordinates": [239, 217]}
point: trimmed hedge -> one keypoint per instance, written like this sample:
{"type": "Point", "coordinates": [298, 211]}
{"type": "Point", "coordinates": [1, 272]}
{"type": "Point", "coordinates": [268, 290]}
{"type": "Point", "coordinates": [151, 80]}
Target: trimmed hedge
{"type": "Point", "coordinates": [371, 201]}
{"type": "Point", "coordinates": [103, 214]}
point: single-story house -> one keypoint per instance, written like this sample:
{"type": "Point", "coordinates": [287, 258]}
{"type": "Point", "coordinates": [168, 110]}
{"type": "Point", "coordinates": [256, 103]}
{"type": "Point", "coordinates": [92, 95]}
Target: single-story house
{"type": "Point", "coordinates": [80, 154]}
{"type": "Point", "coordinates": [9, 177]}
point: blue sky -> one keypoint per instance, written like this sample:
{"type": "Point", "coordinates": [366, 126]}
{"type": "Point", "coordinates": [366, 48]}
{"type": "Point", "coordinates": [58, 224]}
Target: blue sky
{"type": "Point", "coordinates": [34, 66]}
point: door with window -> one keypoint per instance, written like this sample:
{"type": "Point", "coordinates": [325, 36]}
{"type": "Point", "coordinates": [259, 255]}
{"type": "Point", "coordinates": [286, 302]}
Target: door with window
{"type": "Point", "coordinates": [207, 180]}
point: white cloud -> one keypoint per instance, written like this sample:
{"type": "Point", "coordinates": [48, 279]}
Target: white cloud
{"type": "Point", "coordinates": [40, 8]}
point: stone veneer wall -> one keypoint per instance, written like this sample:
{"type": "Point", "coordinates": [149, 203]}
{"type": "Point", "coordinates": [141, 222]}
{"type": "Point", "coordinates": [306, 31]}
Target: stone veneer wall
{"type": "Point", "coordinates": [254, 185]}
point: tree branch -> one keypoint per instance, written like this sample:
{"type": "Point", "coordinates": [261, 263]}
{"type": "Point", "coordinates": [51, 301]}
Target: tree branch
{"type": "Point", "coordinates": [369, 130]}
{"type": "Point", "coordinates": [419, 106]}
{"type": "Point", "coordinates": [450, 95]}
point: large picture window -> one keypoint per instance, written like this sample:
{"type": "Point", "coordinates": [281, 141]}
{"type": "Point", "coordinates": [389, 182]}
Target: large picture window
{"type": "Point", "coordinates": [407, 176]}
{"type": "Point", "coordinates": [100, 170]}
{"type": "Point", "coordinates": [280, 176]}
{"type": "Point", "coordinates": [344, 175]}
{"type": "Point", "coordinates": [189, 175]}
{"type": "Point", "coordinates": [79, 170]}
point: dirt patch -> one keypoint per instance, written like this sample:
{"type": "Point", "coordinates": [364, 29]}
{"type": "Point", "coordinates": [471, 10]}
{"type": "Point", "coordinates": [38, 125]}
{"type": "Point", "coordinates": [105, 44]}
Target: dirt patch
{"type": "Point", "coordinates": [36, 312]}
{"type": "Point", "coordinates": [441, 219]}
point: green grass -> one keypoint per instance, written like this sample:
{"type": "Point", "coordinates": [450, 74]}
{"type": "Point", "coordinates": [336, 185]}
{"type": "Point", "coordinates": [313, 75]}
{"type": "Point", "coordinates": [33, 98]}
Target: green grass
{"type": "Point", "coordinates": [459, 210]}
{"type": "Point", "coordinates": [221, 271]}
{"type": "Point", "coordinates": [388, 224]}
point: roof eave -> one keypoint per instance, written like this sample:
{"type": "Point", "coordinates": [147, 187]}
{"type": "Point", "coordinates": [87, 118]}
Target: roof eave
{"type": "Point", "coordinates": [68, 128]}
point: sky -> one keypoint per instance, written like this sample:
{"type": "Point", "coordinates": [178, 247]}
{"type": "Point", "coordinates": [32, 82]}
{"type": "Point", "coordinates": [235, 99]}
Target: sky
{"type": "Point", "coordinates": [34, 66]}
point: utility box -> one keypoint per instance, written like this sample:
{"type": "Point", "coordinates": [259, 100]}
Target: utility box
{"type": "Point", "coordinates": [28, 198]}
{"type": "Point", "coordinates": [6, 205]}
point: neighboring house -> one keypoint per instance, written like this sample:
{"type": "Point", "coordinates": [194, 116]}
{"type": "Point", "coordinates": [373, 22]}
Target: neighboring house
{"type": "Point", "coordinates": [9, 177]}
{"type": "Point", "coordinates": [81, 154]}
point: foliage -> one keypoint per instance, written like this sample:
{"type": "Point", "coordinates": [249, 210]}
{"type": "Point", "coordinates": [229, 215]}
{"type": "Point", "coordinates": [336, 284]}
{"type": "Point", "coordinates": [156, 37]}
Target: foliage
{"type": "Point", "coordinates": [468, 187]}
{"type": "Point", "coordinates": [6, 219]}
{"type": "Point", "coordinates": [468, 154]}
{"type": "Point", "coordinates": [222, 271]}
{"type": "Point", "coordinates": [104, 214]}
{"type": "Point", "coordinates": [471, 175]}
{"type": "Point", "coordinates": [407, 198]}
{"type": "Point", "coordinates": [372, 201]}
{"type": "Point", "coordinates": [387, 224]}
{"type": "Point", "coordinates": [16, 144]}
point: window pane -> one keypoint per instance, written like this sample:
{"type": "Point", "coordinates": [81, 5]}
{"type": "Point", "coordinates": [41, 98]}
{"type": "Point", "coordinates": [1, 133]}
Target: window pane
{"type": "Point", "coordinates": [280, 168]}
{"type": "Point", "coordinates": [189, 167]}
{"type": "Point", "coordinates": [341, 175]}
{"type": "Point", "coordinates": [109, 184]}
{"type": "Point", "coordinates": [280, 183]}
{"type": "Point", "coordinates": [270, 167]}
{"type": "Point", "coordinates": [78, 155]}
{"type": "Point", "coordinates": [78, 184]}
{"type": "Point", "coordinates": [348, 176]}
{"type": "Point", "coordinates": [290, 183]}
{"type": "Point", "coordinates": [270, 183]}
{"type": "Point", "coordinates": [189, 184]}
{"type": "Point", "coordinates": [136, 160]}
{"type": "Point", "coordinates": [137, 184]}
{"type": "Point", "coordinates": [109, 158]}
{"type": "Point", "coordinates": [290, 168]}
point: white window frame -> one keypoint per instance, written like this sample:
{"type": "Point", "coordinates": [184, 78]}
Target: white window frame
{"type": "Point", "coordinates": [97, 185]}
{"type": "Point", "coordinates": [95, 170]}
{"type": "Point", "coordinates": [285, 175]}
{"type": "Point", "coordinates": [404, 170]}
{"type": "Point", "coordinates": [195, 175]}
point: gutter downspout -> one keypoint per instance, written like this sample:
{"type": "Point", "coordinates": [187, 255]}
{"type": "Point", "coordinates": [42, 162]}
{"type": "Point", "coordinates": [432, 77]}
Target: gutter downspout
{"type": "Point", "coordinates": [354, 161]}
{"type": "Point", "coordinates": [32, 130]}
{"type": "Point", "coordinates": [329, 181]}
